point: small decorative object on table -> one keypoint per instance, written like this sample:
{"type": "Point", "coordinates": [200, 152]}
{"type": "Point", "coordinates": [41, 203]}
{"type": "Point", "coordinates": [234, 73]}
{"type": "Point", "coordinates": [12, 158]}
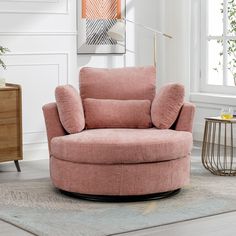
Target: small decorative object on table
{"type": "Point", "coordinates": [227, 113]}
{"type": "Point", "coordinates": [217, 147]}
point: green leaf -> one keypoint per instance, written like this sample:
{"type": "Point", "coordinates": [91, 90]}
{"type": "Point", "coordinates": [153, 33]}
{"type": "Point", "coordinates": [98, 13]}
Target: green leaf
{"type": "Point", "coordinates": [3, 50]}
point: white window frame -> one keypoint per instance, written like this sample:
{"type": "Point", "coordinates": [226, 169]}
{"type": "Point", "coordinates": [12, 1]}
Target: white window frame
{"type": "Point", "coordinates": [203, 85]}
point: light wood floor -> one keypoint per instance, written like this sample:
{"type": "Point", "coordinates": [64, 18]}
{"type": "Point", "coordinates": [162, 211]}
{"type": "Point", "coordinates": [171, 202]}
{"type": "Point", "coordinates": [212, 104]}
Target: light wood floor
{"type": "Point", "coordinates": [219, 225]}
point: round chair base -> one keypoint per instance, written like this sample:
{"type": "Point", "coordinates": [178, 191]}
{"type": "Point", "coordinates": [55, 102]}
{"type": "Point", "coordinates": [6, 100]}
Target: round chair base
{"type": "Point", "coordinates": [121, 182]}
{"type": "Point", "coordinates": [132, 198]}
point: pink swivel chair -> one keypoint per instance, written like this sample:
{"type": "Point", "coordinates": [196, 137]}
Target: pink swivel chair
{"type": "Point", "coordinates": [119, 140]}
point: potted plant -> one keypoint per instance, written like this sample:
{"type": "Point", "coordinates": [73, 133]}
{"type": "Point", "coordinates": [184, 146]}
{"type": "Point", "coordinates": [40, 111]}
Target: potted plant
{"type": "Point", "coordinates": [3, 50]}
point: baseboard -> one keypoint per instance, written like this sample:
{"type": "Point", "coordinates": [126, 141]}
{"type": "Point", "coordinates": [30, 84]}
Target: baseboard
{"type": "Point", "coordinates": [33, 152]}
{"type": "Point", "coordinates": [197, 144]}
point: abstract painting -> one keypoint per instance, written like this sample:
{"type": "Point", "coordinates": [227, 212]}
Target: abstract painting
{"type": "Point", "coordinates": [95, 18]}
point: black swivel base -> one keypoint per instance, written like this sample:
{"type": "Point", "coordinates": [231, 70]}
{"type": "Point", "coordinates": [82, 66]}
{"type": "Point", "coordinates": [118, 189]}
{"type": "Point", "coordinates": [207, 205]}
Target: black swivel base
{"type": "Point", "coordinates": [132, 198]}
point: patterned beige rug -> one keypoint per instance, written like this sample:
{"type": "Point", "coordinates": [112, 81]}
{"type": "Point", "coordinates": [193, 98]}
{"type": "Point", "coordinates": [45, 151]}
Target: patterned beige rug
{"type": "Point", "coordinates": [36, 206]}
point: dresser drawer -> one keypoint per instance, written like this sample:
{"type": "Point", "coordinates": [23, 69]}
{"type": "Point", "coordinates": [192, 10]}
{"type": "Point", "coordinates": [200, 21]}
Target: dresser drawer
{"type": "Point", "coordinates": [9, 142]}
{"type": "Point", "coordinates": [10, 124]}
{"type": "Point", "coordinates": [10, 154]}
{"type": "Point", "coordinates": [8, 104]}
{"type": "Point", "coordinates": [7, 121]}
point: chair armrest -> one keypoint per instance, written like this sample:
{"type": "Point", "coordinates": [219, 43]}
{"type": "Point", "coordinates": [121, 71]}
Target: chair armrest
{"type": "Point", "coordinates": [53, 124]}
{"type": "Point", "coordinates": [186, 118]}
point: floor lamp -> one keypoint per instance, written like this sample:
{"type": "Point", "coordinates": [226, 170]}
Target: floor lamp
{"type": "Point", "coordinates": [117, 32]}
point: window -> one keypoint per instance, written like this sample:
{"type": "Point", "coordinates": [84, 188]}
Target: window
{"type": "Point", "coordinates": [218, 46]}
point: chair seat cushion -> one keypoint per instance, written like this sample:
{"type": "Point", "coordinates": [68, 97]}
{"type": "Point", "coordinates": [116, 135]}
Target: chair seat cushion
{"type": "Point", "coordinates": [117, 146]}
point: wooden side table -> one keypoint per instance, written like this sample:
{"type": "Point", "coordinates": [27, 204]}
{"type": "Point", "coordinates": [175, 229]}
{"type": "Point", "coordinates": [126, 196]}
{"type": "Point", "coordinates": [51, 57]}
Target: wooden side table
{"type": "Point", "coordinates": [11, 124]}
{"type": "Point", "coordinates": [218, 147]}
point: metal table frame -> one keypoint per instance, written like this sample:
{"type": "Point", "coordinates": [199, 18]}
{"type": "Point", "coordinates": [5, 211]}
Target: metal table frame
{"type": "Point", "coordinates": [217, 147]}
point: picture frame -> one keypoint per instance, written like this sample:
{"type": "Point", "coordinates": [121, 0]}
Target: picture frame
{"type": "Point", "coordinates": [95, 18]}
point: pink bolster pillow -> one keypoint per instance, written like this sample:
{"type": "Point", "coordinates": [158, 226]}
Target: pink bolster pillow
{"type": "Point", "coordinates": [70, 108]}
{"type": "Point", "coordinates": [166, 105]}
{"type": "Point", "coordinates": [106, 113]}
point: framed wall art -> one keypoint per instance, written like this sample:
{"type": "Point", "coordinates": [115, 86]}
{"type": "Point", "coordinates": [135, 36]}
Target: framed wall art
{"type": "Point", "coordinates": [95, 18]}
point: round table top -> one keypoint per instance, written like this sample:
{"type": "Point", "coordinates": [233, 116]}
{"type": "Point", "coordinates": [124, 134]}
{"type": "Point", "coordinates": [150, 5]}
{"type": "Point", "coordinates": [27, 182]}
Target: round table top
{"type": "Point", "coordinates": [219, 119]}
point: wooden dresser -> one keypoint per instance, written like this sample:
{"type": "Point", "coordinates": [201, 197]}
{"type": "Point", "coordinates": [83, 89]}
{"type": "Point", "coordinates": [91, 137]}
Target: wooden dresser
{"type": "Point", "coordinates": [11, 124]}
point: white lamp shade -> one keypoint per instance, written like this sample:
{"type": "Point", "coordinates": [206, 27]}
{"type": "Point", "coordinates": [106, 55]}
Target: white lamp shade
{"type": "Point", "coordinates": [117, 31]}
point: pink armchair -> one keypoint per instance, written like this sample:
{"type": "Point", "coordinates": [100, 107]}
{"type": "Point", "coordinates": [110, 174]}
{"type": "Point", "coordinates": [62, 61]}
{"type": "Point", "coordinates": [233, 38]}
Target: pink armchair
{"type": "Point", "coordinates": [120, 155]}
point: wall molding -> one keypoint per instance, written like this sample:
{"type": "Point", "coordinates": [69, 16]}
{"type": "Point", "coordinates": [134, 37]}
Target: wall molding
{"type": "Point", "coordinates": [17, 11]}
{"type": "Point", "coordinates": [39, 136]}
{"type": "Point", "coordinates": [35, 151]}
{"type": "Point", "coordinates": [206, 106]}
{"type": "Point", "coordinates": [67, 54]}
{"type": "Point", "coordinates": [38, 33]}
{"type": "Point", "coordinates": [37, 53]}
{"type": "Point", "coordinates": [32, 1]}
{"type": "Point", "coordinates": [212, 98]}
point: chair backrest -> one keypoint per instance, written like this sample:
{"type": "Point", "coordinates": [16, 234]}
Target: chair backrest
{"type": "Point", "coordinates": [129, 83]}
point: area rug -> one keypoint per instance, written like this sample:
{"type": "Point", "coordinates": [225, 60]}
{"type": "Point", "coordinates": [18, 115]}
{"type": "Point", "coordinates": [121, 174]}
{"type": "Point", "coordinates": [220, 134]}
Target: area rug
{"type": "Point", "coordinates": [37, 207]}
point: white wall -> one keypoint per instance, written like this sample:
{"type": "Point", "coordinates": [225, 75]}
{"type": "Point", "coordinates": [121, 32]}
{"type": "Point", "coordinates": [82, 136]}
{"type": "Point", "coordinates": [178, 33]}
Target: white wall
{"type": "Point", "coordinates": [178, 18]}
{"type": "Point", "coordinates": [42, 38]}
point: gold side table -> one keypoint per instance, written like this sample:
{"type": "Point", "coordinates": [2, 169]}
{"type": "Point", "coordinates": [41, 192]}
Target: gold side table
{"type": "Point", "coordinates": [217, 147]}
